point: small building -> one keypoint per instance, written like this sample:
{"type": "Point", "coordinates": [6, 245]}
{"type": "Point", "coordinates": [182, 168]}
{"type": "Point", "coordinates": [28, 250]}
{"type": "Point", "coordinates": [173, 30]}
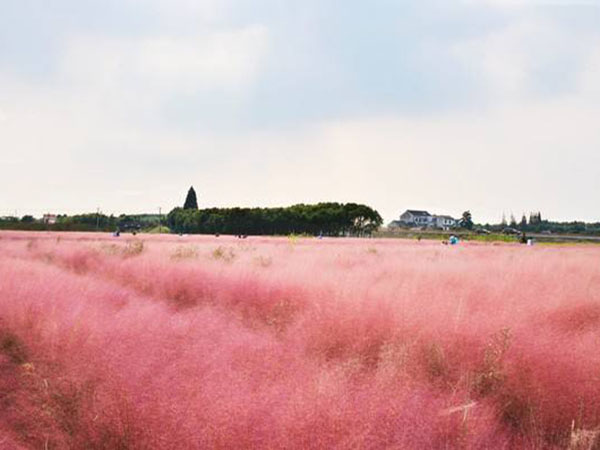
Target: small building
{"type": "Point", "coordinates": [49, 219]}
{"type": "Point", "coordinates": [416, 218]}
{"type": "Point", "coordinates": [444, 222]}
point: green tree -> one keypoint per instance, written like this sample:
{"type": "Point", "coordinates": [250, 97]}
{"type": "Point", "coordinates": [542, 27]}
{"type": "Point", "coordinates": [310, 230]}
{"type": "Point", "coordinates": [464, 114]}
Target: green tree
{"type": "Point", "coordinates": [331, 219]}
{"type": "Point", "coordinates": [523, 223]}
{"type": "Point", "coordinates": [535, 218]}
{"type": "Point", "coordinates": [467, 220]}
{"type": "Point", "coordinates": [362, 220]}
{"type": "Point", "coordinates": [190, 200]}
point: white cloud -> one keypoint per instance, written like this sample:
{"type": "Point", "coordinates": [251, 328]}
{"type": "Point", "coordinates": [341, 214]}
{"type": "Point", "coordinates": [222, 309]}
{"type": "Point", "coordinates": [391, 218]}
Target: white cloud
{"type": "Point", "coordinates": [199, 10]}
{"type": "Point", "coordinates": [539, 156]}
{"type": "Point", "coordinates": [84, 141]}
{"type": "Point", "coordinates": [225, 60]}
{"type": "Point", "coordinates": [518, 157]}
{"type": "Point", "coordinates": [527, 3]}
{"type": "Point", "coordinates": [515, 61]}
{"type": "Point", "coordinates": [589, 78]}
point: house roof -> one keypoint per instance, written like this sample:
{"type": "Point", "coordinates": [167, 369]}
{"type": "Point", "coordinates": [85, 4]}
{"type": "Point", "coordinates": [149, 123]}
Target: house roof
{"type": "Point", "coordinates": [416, 212]}
{"type": "Point", "coordinates": [446, 217]}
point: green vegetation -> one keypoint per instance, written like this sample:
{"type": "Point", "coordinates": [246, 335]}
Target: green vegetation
{"type": "Point", "coordinates": [87, 222]}
{"type": "Point", "coordinates": [467, 221]}
{"type": "Point", "coordinates": [158, 230]}
{"type": "Point", "coordinates": [551, 239]}
{"type": "Point", "coordinates": [191, 201]}
{"type": "Point", "coordinates": [537, 225]}
{"type": "Point", "coordinates": [328, 219]}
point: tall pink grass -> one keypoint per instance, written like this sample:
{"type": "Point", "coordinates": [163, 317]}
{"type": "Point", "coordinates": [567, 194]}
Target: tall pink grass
{"type": "Point", "coordinates": [196, 342]}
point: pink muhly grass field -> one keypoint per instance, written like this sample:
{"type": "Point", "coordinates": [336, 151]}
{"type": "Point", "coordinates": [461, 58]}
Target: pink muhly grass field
{"type": "Point", "coordinates": [201, 342]}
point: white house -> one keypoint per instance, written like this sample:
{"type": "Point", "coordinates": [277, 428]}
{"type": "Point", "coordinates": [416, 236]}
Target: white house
{"type": "Point", "coordinates": [443, 222]}
{"type": "Point", "coordinates": [417, 218]}
{"type": "Point", "coordinates": [49, 219]}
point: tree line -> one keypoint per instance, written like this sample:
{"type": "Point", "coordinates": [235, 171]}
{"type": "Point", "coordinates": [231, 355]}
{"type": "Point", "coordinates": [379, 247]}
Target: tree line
{"type": "Point", "coordinates": [274, 221]}
{"type": "Point", "coordinates": [82, 222]}
{"type": "Point", "coordinates": [328, 219]}
{"type": "Point", "coordinates": [535, 224]}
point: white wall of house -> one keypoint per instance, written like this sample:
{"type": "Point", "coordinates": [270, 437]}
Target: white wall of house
{"type": "Point", "coordinates": [415, 219]}
{"type": "Point", "coordinates": [444, 222]}
{"type": "Point", "coordinates": [421, 220]}
{"type": "Point", "coordinates": [407, 218]}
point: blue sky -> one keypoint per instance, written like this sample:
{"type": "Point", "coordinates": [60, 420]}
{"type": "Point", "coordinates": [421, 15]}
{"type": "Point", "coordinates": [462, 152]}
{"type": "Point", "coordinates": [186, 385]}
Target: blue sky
{"type": "Point", "coordinates": [487, 105]}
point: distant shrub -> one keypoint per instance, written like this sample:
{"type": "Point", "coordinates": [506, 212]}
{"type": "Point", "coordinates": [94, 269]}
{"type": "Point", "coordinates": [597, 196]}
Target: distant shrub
{"type": "Point", "coordinates": [32, 244]}
{"type": "Point", "coordinates": [109, 249]}
{"type": "Point", "coordinates": [263, 261]}
{"type": "Point", "coordinates": [12, 347]}
{"type": "Point", "coordinates": [223, 253]}
{"type": "Point", "coordinates": [185, 252]}
{"type": "Point", "coordinates": [491, 374]}
{"type": "Point", "coordinates": [133, 248]}
{"type": "Point", "coordinates": [158, 230]}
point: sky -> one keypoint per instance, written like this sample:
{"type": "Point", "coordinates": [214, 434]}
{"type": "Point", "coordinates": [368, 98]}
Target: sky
{"type": "Point", "coordinates": [491, 106]}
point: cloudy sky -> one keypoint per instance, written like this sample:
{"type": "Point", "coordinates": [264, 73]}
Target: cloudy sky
{"type": "Point", "coordinates": [487, 105]}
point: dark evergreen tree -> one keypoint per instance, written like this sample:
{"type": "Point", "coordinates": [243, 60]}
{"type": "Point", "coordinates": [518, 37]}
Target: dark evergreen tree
{"type": "Point", "coordinates": [466, 221]}
{"type": "Point", "coordinates": [190, 201]}
{"type": "Point", "coordinates": [535, 218]}
{"type": "Point", "coordinates": [523, 223]}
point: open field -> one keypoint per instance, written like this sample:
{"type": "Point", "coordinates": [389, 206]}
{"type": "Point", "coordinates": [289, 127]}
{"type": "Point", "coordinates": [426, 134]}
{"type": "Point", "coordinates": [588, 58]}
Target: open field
{"type": "Point", "coordinates": [555, 238]}
{"type": "Point", "coordinates": [161, 341]}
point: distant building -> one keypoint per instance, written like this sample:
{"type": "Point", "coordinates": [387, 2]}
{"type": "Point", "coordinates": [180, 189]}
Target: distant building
{"type": "Point", "coordinates": [444, 222]}
{"type": "Point", "coordinates": [418, 218]}
{"type": "Point", "coordinates": [49, 219]}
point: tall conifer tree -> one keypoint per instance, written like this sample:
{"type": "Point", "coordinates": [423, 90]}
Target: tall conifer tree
{"type": "Point", "coordinates": [190, 201]}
